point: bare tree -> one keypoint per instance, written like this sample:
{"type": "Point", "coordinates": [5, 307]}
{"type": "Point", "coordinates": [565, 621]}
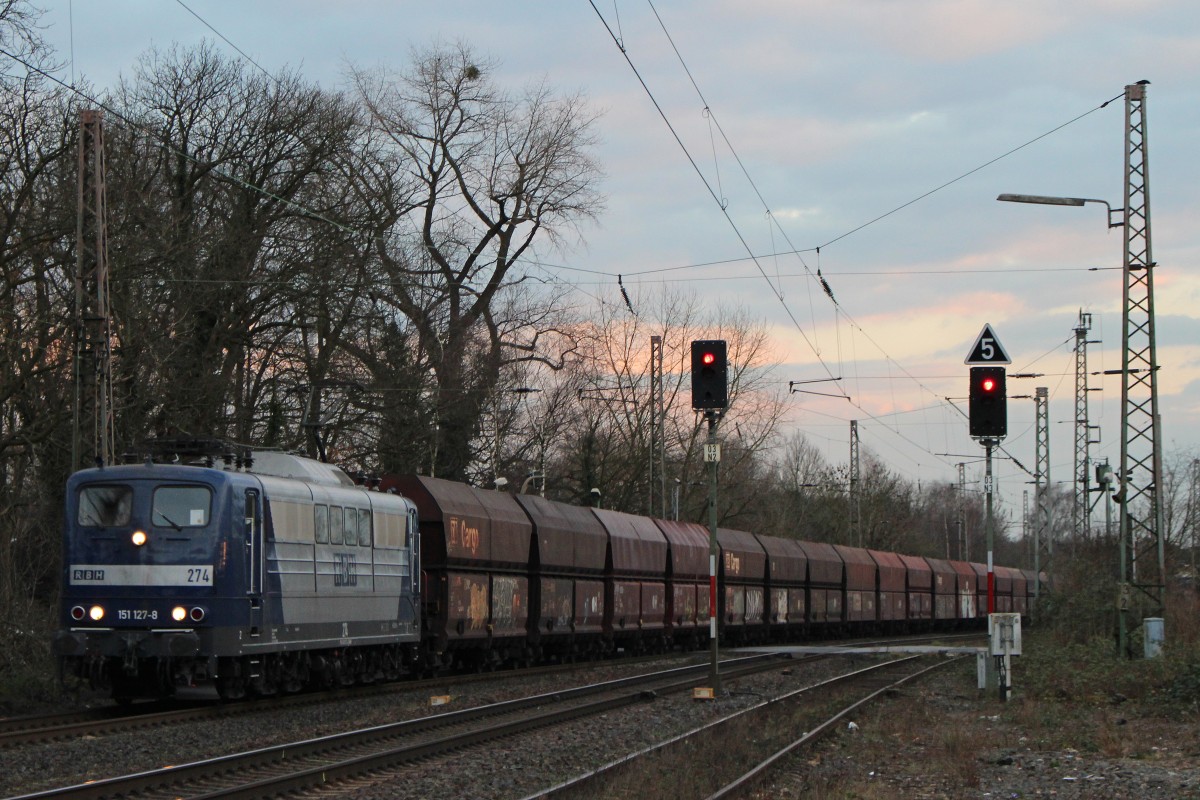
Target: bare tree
{"type": "Point", "coordinates": [1180, 495]}
{"type": "Point", "coordinates": [225, 192]}
{"type": "Point", "coordinates": [808, 501]}
{"type": "Point", "coordinates": [608, 439]}
{"type": "Point", "coordinates": [37, 224]}
{"type": "Point", "coordinates": [19, 33]}
{"type": "Point", "coordinates": [485, 175]}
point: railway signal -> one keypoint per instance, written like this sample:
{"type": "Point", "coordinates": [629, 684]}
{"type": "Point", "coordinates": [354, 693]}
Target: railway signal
{"type": "Point", "coordinates": [710, 375]}
{"type": "Point", "coordinates": [710, 394]}
{"type": "Point", "coordinates": [988, 403]}
{"type": "Point", "coordinates": [988, 422]}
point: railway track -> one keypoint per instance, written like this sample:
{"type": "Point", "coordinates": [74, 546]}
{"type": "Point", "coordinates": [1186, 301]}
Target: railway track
{"type": "Point", "coordinates": [859, 688]}
{"type": "Point", "coordinates": [109, 720]}
{"type": "Point", "coordinates": [320, 761]}
{"type": "Point", "coordinates": [871, 690]}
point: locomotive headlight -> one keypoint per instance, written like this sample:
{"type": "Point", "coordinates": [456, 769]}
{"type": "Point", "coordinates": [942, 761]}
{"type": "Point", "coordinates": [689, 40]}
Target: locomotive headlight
{"type": "Point", "coordinates": [139, 538]}
{"type": "Point", "coordinates": [197, 614]}
{"type": "Point", "coordinates": [179, 613]}
{"type": "Point", "coordinates": [96, 613]}
{"type": "Point", "coordinates": [78, 613]}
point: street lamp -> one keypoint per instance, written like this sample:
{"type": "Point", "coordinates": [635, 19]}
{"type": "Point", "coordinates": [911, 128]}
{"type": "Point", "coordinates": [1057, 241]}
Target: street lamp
{"type": "Point", "coordinates": [530, 477]}
{"type": "Point", "coordinates": [1042, 200]}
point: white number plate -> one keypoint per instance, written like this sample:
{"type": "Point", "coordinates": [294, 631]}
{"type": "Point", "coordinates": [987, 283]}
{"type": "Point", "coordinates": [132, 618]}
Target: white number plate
{"type": "Point", "coordinates": [141, 574]}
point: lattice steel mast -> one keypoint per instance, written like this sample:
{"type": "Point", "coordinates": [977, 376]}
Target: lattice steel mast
{"type": "Point", "coordinates": [1043, 528]}
{"type": "Point", "coordinates": [1026, 526]}
{"type": "Point", "coordinates": [658, 437]}
{"type": "Point", "coordinates": [1141, 521]}
{"type": "Point", "coordinates": [93, 441]}
{"type": "Point", "coordinates": [856, 533]}
{"type": "Point", "coordinates": [1080, 511]}
{"type": "Point", "coordinates": [964, 541]}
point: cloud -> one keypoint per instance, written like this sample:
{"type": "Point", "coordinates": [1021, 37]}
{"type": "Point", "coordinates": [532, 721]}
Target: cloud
{"type": "Point", "coordinates": [947, 31]}
{"type": "Point", "coordinates": [798, 214]}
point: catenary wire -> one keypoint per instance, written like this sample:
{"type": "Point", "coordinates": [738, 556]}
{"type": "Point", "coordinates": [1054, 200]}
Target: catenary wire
{"type": "Point", "coordinates": [712, 121]}
{"type": "Point", "coordinates": [224, 38]}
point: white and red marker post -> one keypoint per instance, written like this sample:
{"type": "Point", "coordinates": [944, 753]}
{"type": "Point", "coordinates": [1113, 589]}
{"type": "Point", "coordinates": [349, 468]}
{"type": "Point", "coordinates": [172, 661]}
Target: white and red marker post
{"type": "Point", "coordinates": [712, 454]}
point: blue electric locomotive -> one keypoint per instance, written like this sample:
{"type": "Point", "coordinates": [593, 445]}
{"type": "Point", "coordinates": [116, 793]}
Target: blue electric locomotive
{"type": "Point", "coordinates": [259, 577]}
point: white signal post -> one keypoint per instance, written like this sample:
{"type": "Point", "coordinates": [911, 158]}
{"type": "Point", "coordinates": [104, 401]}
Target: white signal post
{"type": "Point", "coordinates": [712, 454]}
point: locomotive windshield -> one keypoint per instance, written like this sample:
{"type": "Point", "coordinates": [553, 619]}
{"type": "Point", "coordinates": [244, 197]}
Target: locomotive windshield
{"type": "Point", "coordinates": [181, 507]}
{"type": "Point", "coordinates": [105, 506]}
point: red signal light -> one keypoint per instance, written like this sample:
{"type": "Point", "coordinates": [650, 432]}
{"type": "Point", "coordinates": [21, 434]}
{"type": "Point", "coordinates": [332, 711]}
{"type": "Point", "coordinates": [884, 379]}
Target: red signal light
{"type": "Point", "coordinates": [710, 375]}
{"type": "Point", "coordinates": [988, 406]}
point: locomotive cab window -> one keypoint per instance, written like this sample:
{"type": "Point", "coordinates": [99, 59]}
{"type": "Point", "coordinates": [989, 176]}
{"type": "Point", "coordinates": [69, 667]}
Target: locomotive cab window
{"type": "Point", "coordinates": [105, 506]}
{"type": "Point", "coordinates": [181, 507]}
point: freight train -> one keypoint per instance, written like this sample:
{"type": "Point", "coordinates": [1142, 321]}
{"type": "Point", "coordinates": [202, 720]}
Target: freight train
{"type": "Point", "coordinates": [270, 572]}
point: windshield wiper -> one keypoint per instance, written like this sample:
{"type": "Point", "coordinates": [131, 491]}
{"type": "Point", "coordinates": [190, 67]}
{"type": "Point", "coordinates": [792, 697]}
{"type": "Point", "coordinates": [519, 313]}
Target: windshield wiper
{"type": "Point", "coordinates": [170, 521]}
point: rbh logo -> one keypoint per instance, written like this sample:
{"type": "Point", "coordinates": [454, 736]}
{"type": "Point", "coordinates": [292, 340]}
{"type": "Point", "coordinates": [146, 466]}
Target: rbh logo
{"type": "Point", "coordinates": [344, 569]}
{"type": "Point", "coordinates": [87, 575]}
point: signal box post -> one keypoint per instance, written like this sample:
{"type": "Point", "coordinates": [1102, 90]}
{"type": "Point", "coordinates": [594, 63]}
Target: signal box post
{"type": "Point", "coordinates": [988, 422]}
{"type": "Point", "coordinates": [710, 394]}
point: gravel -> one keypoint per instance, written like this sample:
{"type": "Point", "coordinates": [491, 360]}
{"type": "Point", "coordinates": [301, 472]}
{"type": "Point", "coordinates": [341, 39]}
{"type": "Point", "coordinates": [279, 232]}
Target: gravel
{"type": "Point", "coordinates": [940, 739]}
{"type": "Point", "coordinates": [515, 769]}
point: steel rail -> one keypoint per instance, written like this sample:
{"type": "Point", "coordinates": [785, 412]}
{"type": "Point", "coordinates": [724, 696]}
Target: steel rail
{"type": "Point", "coordinates": [579, 785]}
{"type": "Point", "coordinates": [169, 778]}
{"type": "Point", "coordinates": [751, 777]}
{"type": "Point", "coordinates": [18, 731]}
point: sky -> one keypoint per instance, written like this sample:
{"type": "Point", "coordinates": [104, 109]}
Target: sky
{"type": "Point", "coordinates": [879, 131]}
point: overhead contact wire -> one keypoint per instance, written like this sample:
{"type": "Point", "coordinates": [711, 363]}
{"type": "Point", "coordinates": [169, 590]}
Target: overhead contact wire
{"type": "Point", "coordinates": [708, 186]}
{"type": "Point", "coordinates": [838, 309]}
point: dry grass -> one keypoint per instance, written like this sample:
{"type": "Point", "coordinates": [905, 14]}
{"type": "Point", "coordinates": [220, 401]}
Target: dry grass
{"type": "Point", "coordinates": [1074, 699]}
{"type": "Point", "coordinates": [908, 737]}
{"type": "Point", "coordinates": [1075, 703]}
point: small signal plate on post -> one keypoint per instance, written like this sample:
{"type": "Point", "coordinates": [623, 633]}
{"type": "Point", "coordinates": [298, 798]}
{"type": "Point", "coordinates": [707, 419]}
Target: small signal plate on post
{"type": "Point", "coordinates": [703, 693]}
